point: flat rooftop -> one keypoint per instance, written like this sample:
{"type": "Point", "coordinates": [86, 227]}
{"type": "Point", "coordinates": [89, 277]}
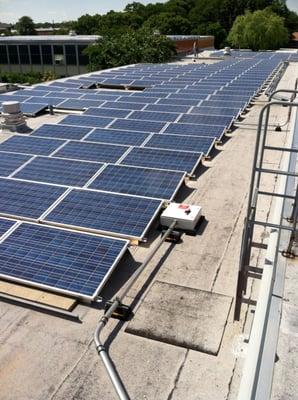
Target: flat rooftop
{"type": "Point", "coordinates": [181, 342]}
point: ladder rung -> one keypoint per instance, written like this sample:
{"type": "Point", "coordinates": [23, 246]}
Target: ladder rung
{"type": "Point", "coordinates": [285, 196]}
{"type": "Point", "coordinates": [259, 245]}
{"type": "Point", "coordinates": [276, 172]}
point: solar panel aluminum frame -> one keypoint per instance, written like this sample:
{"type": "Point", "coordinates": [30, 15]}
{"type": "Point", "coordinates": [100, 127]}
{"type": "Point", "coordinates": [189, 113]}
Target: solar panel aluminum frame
{"type": "Point", "coordinates": [63, 291]}
{"type": "Point", "coordinates": [142, 238]}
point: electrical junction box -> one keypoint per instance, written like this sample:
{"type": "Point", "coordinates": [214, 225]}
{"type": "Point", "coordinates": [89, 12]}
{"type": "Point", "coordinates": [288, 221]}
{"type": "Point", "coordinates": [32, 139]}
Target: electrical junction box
{"type": "Point", "coordinates": [186, 215]}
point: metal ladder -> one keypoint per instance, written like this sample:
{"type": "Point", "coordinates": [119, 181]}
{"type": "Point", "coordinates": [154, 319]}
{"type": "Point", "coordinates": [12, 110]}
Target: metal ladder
{"type": "Point", "coordinates": [247, 270]}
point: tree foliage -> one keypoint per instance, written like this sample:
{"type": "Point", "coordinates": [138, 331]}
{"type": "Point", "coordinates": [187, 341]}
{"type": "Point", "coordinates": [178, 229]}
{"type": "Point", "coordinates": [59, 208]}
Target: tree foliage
{"type": "Point", "coordinates": [260, 30]}
{"type": "Point", "coordinates": [25, 26]}
{"type": "Point", "coordinates": [185, 17]}
{"type": "Point", "coordinates": [130, 48]}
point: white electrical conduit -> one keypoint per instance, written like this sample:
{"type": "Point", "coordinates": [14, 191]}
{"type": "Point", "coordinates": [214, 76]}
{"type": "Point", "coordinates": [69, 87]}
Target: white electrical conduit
{"type": "Point", "coordinates": [117, 300]}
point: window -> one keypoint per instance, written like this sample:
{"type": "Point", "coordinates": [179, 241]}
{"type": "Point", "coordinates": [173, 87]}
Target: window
{"type": "Point", "coordinates": [24, 54]}
{"type": "Point", "coordinates": [13, 54]}
{"type": "Point", "coordinates": [46, 51]}
{"type": "Point", "coordinates": [70, 54]}
{"type": "Point", "coordinates": [3, 55]}
{"type": "Point", "coordinates": [58, 54]}
{"type": "Point", "coordinates": [35, 54]}
{"type": "Point", "coordinates": [83, 59]}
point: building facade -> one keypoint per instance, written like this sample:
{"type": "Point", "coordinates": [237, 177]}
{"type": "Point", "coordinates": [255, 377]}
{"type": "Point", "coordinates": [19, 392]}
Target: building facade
{"type": "Point", "coordinates": [61, 54]}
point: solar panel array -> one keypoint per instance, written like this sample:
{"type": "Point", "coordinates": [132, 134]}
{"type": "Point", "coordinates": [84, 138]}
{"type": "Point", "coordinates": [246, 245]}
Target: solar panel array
{"type": "Point", "coordinates": [108, 169]}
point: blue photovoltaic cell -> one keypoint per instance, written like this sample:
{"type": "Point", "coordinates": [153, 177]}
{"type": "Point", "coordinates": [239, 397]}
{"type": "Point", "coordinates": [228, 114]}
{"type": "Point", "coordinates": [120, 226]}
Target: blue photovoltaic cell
{"type": "Point", "coordinates": [5, 225]}
{"type": "Point", "coordinates": [223, 103]}
{"type": "Point", "coordinates": [177, 142]}
{"type": "Point", "coordinates": [99, 152]}
{"type": "Point", "coordinates": [107, 112]}
{"type": "Point", "coordinates": [58, 171]}
{"type": "Point", "coordinates": [100, 97]}
{"type": "Point", "coordinates": [76, 263]}
{"type": "Point", "coordinates": [32, 108]}
{"type": "Point", "coordinates": [196, 130]}
{"type": "Point", "coordinates": [116, 136]}
{"type": "Point", "coordinates": [86, 120]}
{"type": "Point", "coordinates": [131, 99]}
{"type": "Point", "coordinates": [220, 120]}
{"type": "Point", "coordinates": [26, 199]}
{"type": "Point", "coordinates": [106, 212]}
{"type": "Point", "coordinates": [137, 125]}
{"type": "Point", "coordinates": [154, 116]}
{"type": "Point", "coordinates": [61, 131]}
{"type": "Point", "coordinates": [63, 95]}
{"type": "Point", "coordinates": [124, 105]}
{"type": "Point", "coordinates": [138, 181]}
{"type": "Point", "coordinates": [79, 104]}
{"type": "Point", "coordinates": [30, 145]}
{"type": "Point", "coordinates": [167, 108]}
{"type": "Point", "coordinates": [230, 112]}
{"type": "Point", "coordinates": [177, 102]}
{"type": "Point", "coordinates": [49, 101]}
{"type": "Point", "coordinates": [162, 159]}
{"type": "Point", "coordinates": [11, 97]}
{"type": "Point", "coordinates": [65, 84]}
{"type": "Point", "coordinates": [9, 162]}
{"type": "Point", "coordinates": [48, 88]}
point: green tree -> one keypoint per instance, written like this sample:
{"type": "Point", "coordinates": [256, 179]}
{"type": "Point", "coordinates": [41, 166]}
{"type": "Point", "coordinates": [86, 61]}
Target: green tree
{"type": "Point", "coordinates": [25, 26]}
{"type": "Point", "coordinates": [130, 48]}
{"type": "Point", "coordinates": [260, 30]}
{"type": "Point", "coordinates": [213, 29]}
{"type": "Point", "coordinates": [168, 24]}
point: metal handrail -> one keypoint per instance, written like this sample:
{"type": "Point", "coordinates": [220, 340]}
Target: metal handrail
{"type": "Point", "coordinates": [252, 387]}
{"type": "Point", "coordinates": [248, 230]}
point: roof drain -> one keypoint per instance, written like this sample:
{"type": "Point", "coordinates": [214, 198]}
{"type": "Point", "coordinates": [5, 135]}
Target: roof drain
{"type": "Point", "coordinates": [116, 302]}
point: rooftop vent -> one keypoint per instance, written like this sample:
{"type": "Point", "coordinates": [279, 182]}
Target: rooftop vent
{"type": "Point", "coordinates": [14, 120]}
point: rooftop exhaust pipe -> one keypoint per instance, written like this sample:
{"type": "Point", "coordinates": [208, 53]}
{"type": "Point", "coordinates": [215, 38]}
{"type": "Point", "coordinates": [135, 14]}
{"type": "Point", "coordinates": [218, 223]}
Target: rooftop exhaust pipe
{"type": "Point", "coordinates": [14, 120]}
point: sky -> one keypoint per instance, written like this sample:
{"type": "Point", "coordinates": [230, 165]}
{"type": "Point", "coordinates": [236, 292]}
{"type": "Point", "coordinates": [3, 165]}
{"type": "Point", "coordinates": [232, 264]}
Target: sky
{"type": "Point", "coordinates": [63, 10]}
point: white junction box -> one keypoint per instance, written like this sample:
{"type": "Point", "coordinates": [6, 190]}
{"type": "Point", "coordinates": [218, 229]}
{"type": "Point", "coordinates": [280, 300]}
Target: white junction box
{"type": "Point", "coordinates": [186, 215]}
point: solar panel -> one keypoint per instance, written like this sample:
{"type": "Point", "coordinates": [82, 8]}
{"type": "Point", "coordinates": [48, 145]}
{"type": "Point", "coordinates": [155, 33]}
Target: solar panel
{"type": "Point", "coordinates": [86, 120]}
{"type": "Point", "coordinates": [61, 131]}
{"type": "Point", "coordinates": [140, 99]}
{"type": "Point", "coordinates": [223, 103]}
{"type": "Point", "coordinates": [145, 182]}
{"type": "Point", "coordinates": [107, 112]}
{"type": "Point", "coordinates": [180, 142]}
{"type": "Point", "coordinates": [162, 159]}
{"type": "Point", "coordinates": [30, 145]}
{"type": "Point", "coordinates": [230, 112]}
{"type": "Point", "coordinates": [124, 105]}
{"type": "Point", "coordinates": [178, 102]}
{"type": "Point", "coordinates": [137, 125]}
{"type": "Point", "coordinates": [32, 109]}
{"type": "Point", "coordinates": [79, 104]}
{"type": "Point", "coordinates": [12, 97]}
{"type": "Point", "coordinates": [154, 116]}
{"type": "Point", "coordinates": [100, 97]}
{"type": "Point", "coordinates": [167, 108]}
{"type": "Point", "coordinates": [26, 199]}
{"type": "Point", "coordinates": [117, 214]}
{"type": "Point", "coordinates": [206, 119]}
{"type": "Point", "coordinates": [195, 130]}
{"type": "Point", "coordinates": [98, 152]}
{"type": "Point", "coordinates": [9, 162]}
{"type": "Point", "coordinates": [74, 263]}
{"type": "Point", "coordinates": [58, 171]}
{"type": "Point", "coordinates": [5, 225]}
{"type": "Point", "coordinates": [117, 136]}
{"type": "Point", "coordinates": [49, 101]}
